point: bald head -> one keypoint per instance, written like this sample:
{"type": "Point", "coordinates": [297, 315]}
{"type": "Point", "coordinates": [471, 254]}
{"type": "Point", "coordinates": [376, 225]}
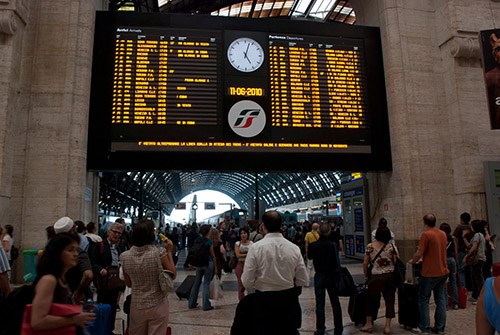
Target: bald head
{"type": "Point", "coordinates": [430, 220]}
{"type": "Point", "coordinates": [315, 226]}
{"type": "Point", "coordinates": [272, 221]}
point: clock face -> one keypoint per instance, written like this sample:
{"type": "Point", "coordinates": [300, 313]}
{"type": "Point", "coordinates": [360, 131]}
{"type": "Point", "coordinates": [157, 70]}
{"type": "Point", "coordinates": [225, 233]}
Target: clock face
{"type": "Point", "coordinates": [245, 54]}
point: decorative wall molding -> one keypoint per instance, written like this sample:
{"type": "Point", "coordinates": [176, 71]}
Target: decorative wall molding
{"type": "Point", "coordinates": [8, 22]}
{"type": "Point", "coordinates": [465, 47]}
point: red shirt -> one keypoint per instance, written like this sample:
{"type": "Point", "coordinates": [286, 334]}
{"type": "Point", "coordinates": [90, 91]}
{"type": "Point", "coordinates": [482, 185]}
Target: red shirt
{"type": "Point", "coordinates": [433, 246]}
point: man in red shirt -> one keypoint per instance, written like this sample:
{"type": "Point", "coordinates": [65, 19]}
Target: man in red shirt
{"type": "Point", "coordinates": [432, 250]}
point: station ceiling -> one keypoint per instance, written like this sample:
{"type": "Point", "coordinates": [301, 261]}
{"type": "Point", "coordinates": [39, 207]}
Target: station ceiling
{"type": "Point", "coordinates": [119, 191]}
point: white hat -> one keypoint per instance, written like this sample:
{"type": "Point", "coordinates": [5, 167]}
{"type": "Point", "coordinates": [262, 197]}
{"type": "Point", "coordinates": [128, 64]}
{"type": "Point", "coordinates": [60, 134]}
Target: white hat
{"type": "Point", "coordinates": [63, 225]}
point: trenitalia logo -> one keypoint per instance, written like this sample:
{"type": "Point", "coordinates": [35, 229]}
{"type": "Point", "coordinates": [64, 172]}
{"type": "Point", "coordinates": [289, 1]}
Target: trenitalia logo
{"type": "Point", "coordinates": [247, 118]}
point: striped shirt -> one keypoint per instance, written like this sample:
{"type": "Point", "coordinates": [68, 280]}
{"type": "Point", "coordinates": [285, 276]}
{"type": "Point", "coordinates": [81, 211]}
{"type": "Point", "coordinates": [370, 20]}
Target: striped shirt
{"type": "Point", "coordinates": [4, 261]}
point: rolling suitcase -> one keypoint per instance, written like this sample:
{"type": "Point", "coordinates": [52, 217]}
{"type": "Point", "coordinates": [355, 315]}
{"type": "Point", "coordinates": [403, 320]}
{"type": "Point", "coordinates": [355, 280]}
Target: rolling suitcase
{"type": "Point", "coordinates": [409, 315]}
{"type": "Point", "coordinates": [357, 303]}
{"type": "Point", "coordinates": [184, 288]}
{"type": "Point", "coordinates": [102, 322]}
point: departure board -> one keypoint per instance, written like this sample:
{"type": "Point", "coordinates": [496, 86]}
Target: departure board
{"type": "Point", "coordinates": [316, 83]}
{"type": "Point", "coordinates": [211, 92]}
{"type": "Point", "coordinates": [164, 78]}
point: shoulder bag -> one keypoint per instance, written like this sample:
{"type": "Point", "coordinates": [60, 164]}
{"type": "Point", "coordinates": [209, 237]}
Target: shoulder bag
{"type": "Point", "coordinates": [56, 310]}
{"type": "Point", "coordinates": [165, 277]}
{"type": "Point", "coordinates": [399, 269]}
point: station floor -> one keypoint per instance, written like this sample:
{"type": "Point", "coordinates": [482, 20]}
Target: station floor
{"type": "Point", "coordinates": [218, 321]}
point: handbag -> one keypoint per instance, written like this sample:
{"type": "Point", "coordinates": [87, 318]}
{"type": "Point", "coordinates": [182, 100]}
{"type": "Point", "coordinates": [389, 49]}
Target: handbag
{"type": "Point", "coordinates": [111, 281]}
{"type": "Point", "coordinates": [56, 310]}
{"type": "Point", "coordinates": [399, 270]}
{"type": "Point", "coordinates": [166, 277]}
{"type": "Point", "coordinates": [233, 261]}
{"type": "Point", "coordinates": [473, 258]}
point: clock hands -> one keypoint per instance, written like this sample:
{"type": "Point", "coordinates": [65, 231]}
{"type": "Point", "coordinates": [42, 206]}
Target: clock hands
{"type": "Point", "coordinates": [245, 53]}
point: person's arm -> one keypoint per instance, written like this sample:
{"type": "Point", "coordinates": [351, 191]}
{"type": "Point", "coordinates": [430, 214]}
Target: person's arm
{"type": "Point", "coordinates": [167, 261]}
{"type": "Point", "coordinates": [212, 254]}
{"type": "Point", "coordinates": [306, 246]}
{"type": "Point", "coordinates": [464, 238]}
{"type": "Point", "coordinates": [483, 326]}
{"type": "Point", "coordinates": [237, 251]}
{"type": "Point", "coordinates": [95, 258]}
{"type": "Point", "coordinates": [249, 269]}
{"type": "Point", "coordinates": [79, 294]}
{"type": "Point", "coordinates": [474, 247]}
{"type": "Point", "coordinates": [6, 244]}
{"type": "Point", "coordinates": [341, 244]}
{"type": "Point", "coordinates": [4, 284]}
{"type": "Point", "coordinates": [301, 273]}
{"type": "Point", "coordinates": [128, 281]}
{"type": "Point", "coordinates": [222, 250]}
{"type": "Point", "coordinates": [40, 318]}
{"type": "Point", "coordinates": [455, 242]}
{"type": "Point", "coordinates": [416, 257]}
{"type": "Point", "coordinates": [366, 263]}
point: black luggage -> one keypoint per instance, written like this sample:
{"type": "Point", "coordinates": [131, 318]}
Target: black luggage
{"type": "Point", "coordinates": [408, 306]}
{"type": "Point", "coordinates": [185, 287]}
{"type": "Point", "coordinates": [357, 306]}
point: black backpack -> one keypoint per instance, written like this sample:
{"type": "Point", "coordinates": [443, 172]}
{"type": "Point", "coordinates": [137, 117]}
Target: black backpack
{"type": "Point", "coordinates": [14, 253]}
{"type": "Point", "coordinates": [12, 309]}
{"type": "Point", "coordinates": [198, 254]}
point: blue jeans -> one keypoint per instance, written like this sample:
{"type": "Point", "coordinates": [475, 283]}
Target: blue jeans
{"type": "Point", "coordinates": [452, 266]}
{"type": "Point", "coordinates": [204, 272]}
{"type": "Point", "coordinates": [323, 283]}
{"type": "Point", "coordinates": [461, 268]}
{"type": "Point", "coordinates": [426, 287]}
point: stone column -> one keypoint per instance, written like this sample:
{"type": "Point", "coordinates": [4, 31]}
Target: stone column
{"type": "Point", "coordinates": [437, 112]}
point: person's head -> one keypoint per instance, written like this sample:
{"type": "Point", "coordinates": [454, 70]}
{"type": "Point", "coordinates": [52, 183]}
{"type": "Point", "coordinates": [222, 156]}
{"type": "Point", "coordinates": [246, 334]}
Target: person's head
{"type": "Point", "coordinates": [80, 227]}
{"type": "Point", "coordinates": [324, 229]}
{"type": "Point", "coordinates": [383, 234]}
{"type": "Point", "coordinates": [382, 222]}
{"type": "Point", "coordinates": [143, 233]}
{"type": "Point", "coordinates": [214, 236]}
{"type": "Point", "coordinates": [9, 229]}
{"type": "Point", "coordinates": [430, 220]}
{"type": "Point", "coordinates": [272, 221]}
{"type": "Point", "coordinates": [478, 226]}
{"type": "Point", "coordinates": [447, 230]}
{"type": "Point", "coordinates": [464, 218]}
{"type": "Point", "coordinates": [120, 221]}
{"type": "Point", "coordinates": [91, 227]}
{"type": "Point", "coordinates": [64, 225]}
{"type": "Point", "coordinates": [222, 225]}
{"type": "Point", "coordinates": [244, 233]}
{"type": "Point", "coordinates": [50, 232]}
{"type": "Point", "coordinates": [115, 230]}
{"type": "Point", "coordinates": [315, 226]}
{"type": "Point", "coordinates": [204, 230]}
{"type": "Point", "coordinates": [60, 254]}
{"type": "Point", "coordinates": [495, 47]}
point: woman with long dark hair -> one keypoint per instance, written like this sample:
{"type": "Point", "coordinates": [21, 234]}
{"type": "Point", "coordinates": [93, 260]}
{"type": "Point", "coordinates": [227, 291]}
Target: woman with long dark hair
{"type": "Point", "coordinates": [60, 255]}
{"type": "Point", "coordinates": [149, 307]}
{"type": "Point", "coordinates": [451, 262]}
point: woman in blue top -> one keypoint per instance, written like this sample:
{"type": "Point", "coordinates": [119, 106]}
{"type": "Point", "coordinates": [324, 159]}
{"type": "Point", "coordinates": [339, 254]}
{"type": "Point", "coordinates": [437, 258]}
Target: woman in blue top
{"type": "Point", "coordinates": [204, 272]}
{"type": "Point", "coordinates": [488, 308]}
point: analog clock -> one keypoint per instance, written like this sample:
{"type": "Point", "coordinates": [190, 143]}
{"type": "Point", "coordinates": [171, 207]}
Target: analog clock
{"type": "Point", "coordinates": [245, 54]}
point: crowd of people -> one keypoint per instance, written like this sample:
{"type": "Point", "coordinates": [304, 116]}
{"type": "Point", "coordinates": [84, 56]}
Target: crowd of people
{"type": "Point", "coordinates": [272, 264]}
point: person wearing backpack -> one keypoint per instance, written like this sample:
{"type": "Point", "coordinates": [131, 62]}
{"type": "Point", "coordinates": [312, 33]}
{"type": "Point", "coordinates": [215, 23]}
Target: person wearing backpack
{"type": "Point", "coordinates": [202, 256]}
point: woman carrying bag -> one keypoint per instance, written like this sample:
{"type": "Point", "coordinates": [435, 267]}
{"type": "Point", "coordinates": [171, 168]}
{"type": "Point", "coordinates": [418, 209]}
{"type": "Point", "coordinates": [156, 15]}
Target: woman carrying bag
{"type": "Point", "coordinates": [378, 267]}
{"type": "Point", "coordinates": [149, 307]}
{"type": "Point", "coordinates": [60, 255]}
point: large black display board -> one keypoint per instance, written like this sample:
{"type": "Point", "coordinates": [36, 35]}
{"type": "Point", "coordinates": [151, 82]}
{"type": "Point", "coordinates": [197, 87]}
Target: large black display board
{"type": "Point", "coordinates": [202, 92]}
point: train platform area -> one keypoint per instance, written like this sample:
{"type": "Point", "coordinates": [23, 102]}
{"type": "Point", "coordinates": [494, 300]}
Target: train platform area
{"type": "Point", "coordinates": [218, 321]}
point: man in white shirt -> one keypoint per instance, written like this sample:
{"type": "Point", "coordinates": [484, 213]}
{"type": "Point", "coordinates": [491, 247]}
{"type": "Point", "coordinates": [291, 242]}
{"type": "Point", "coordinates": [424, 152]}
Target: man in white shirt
{"type": "Point", "coordinates": [275, 267]}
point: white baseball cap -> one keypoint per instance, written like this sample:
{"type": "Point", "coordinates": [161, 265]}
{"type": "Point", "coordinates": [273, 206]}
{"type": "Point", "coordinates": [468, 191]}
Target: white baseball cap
{"type": "Point", "coordinates": [63, 225]}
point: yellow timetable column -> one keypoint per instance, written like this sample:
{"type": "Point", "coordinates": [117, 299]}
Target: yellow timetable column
{"type": "Point", "coordinates": [145, 111]}
{"type": "Point", "coordinates": [299, 89]}
{"type": "Point", "coordinates": [127, 84]}
{"type": "Point", "coordinates": [118, 78]}
{"type": "Point", "coordinates": [162, 82]}
{"type": "Point", "coordinates": [315, 95]}
{"type": "Point", "coordinates": [284, 87]}
{"type": "Point", "coordinates": [274, 80]}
